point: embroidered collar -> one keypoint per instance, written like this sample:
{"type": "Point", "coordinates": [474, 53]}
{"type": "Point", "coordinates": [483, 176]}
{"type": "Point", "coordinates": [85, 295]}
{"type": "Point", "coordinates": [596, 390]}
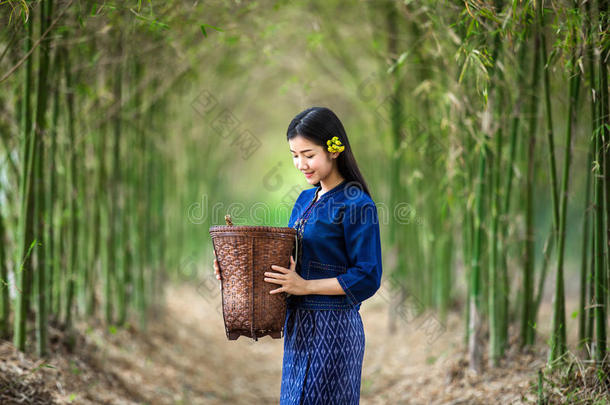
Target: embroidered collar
{"type": "Point", "coordinates": [329, 192]}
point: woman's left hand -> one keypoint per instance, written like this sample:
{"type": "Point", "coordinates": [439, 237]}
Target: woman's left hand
{"type": "Point", "coordinates": [290, 280]}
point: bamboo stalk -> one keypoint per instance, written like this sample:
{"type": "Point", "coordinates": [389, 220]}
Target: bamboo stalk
{"type": "Point", "coordinates": [504, 284]}
{"type": "Point", "coordinates": [51, 219]}
{"type": "Point", "coordinates": [601, 135]}
{"type": "Point", "coordinates": [4, 286]}
{"type": "Point", "coordinates": [71, 270]}
{"type": "Point", "coordinates": [46, 9]}
{"type": "Point", "coordinates": [527, 332]}
{"type": "Point", "coordinates": [549, 116]}
{"type": "Point", "coordinates": [495, 339]}
{"type": "Point", "coordinates": [586, 230]}
{"type": "Point", "coordinates": [558, 328]}
{"type": "Point", "coordinates": [26, 219]}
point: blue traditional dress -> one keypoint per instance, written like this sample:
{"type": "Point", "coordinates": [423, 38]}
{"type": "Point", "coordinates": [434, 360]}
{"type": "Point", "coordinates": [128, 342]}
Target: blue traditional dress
{"type": "Point", "coordinates": [323, 334]}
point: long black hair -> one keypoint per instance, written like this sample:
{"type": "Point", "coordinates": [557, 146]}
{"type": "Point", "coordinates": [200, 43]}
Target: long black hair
{"type": "Point", "coordinates": [319, 124]}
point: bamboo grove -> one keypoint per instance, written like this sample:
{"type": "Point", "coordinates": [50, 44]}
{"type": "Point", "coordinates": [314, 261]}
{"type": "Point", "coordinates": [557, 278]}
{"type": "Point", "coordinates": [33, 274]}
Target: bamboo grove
{"type": "Point", "coordinates": [486, 116]}
{"type": "Point", "coordinates": [579, 51]}
{"type": "Point", "coordinates": [491, 120]}
{"type": "Point", "coordinates": [82, 219]}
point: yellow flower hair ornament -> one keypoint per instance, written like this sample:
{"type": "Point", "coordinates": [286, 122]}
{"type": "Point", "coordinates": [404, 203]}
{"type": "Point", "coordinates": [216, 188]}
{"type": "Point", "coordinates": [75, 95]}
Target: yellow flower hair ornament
{"type": "Point", "coordinates": [334, 145]}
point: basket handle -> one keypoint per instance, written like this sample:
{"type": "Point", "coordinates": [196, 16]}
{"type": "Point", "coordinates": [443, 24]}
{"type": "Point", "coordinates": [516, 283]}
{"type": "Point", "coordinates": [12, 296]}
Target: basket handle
{"type": "Point", "coordinates": [296, 254]}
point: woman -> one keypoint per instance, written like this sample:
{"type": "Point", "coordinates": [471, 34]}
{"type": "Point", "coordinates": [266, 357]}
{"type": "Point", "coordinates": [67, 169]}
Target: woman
{"type": "Point", "coordinates": [338, 266]}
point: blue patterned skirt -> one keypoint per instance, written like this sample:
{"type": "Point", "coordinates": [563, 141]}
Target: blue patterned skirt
{"type": "Point", "coordinates": [323, 352]}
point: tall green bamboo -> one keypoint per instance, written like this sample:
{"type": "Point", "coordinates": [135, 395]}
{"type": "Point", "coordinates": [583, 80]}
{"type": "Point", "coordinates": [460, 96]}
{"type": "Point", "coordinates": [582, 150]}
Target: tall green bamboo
{"type": "Point", "coordinates": [139, 219]}
{"type": "Point", "coordinates": [600, 278]}
{"type": "Point", "coordinates": [4, 286]}
{"type": "Point", "coordinates": [89, 196]}
{"type": "Point", "coordinates": [495, 339]}
{"type": "Point", "coordinates": [495, 321]}
{"type": "Point", "coordinates": [468, 233]}
{"type": "Point", "coordinates": [26, 219]}
{"type": "Point", "coordinates": [605, 53]}
{"type": "Point", "coordinates": [504, 292]}
{"type": "Point", "coordinates": [540, 22]}
{"type": "Point", "coordinates": [93, 261]}
{"type": "Point", "coordinates": [52, 194]}
{"type": "Point", "coordinates": [552, 235]}
{"type": "Point", "coordinates": [584, 269]}
{"type": "Point", "coordinates": [558, 337]}
{"type": "Point", "coordinates": [527, 321]}
{"type": "Point", "coordinates": [397, 192]}
{"type": "Point", "coordinates": [106, 252]}
{"type": "Point", "coordinates": [46, 10]}
{"type": "Point", "coordinates": [114, 230]}
{"type": "Point", "coordinates": [591, 311]}
{"type": "Point", "coordinates": [143, 235]}
{"type": "Point", "coordinates": [600, 222]}
{"type": "Point", "coordinates": [94, 239]}
{"type": "Point", "coordinates": [130, 200]}
{"type": "Point", "coordinates": [475, 283]}
{"type": "Point", "coordinates": [558, 328]}
{"type": "Point", "coordinates": [82, 189]}
{"type": "Point", "coordinates": [587, 319]}
{"type": "Point", "coordinates": [73, 209]}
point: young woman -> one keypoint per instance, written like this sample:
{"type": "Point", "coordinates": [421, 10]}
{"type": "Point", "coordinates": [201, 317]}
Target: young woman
{"type": "Point", "coordinates": [338, 266]}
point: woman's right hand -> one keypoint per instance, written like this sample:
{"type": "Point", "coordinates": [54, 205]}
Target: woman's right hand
{"type": "Point", "coordinates": [216, 268]}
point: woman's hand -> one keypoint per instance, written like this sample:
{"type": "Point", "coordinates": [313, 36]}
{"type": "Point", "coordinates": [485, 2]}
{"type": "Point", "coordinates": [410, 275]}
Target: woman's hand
{"type": "Point", "coordinates": [216, 268]}
{"type": "Point", "coordinates": [289, 280]}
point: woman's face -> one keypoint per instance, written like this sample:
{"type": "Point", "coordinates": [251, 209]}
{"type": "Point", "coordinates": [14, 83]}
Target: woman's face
{"type": "Point", "coordinates": [312, 160]}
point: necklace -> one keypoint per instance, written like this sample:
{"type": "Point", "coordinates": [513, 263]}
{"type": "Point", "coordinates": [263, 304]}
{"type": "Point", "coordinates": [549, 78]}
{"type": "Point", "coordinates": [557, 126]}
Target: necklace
{"type": "Point", "coordinates": [299, 225]}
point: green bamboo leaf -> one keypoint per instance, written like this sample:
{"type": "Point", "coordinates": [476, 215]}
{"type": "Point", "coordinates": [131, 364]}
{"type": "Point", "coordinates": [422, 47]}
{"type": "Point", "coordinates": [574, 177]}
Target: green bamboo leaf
{"type": "Point", "coordinates": [488, 14]}
{"type": "Point", "coordinates": [27, 255]}
{"type": "Point", "coordinates": [471, 27]}
{"type": "Point", "coordinates": [399, 62]}
{"type": "Point", "coordinates": [211, 26]}
{"type": "Point", "coordinates": [463, 71]}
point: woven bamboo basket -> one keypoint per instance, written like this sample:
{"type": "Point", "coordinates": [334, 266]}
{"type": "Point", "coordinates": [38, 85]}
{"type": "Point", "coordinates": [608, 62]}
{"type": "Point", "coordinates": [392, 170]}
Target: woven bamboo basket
{"type": "Point", "coordinates": [244, 254]}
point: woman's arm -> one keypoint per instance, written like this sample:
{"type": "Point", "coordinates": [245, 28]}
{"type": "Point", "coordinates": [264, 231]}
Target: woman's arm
{"type": "Point", "coordinates": [324, 286]}
{"type": "Point", "coordinates": [362, 240]}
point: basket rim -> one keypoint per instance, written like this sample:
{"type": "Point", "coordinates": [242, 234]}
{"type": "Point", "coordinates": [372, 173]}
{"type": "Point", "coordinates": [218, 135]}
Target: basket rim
{"type": "Point", "coordinates": [252, 228]}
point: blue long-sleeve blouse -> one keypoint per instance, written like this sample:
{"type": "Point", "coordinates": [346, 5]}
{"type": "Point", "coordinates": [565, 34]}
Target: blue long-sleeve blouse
{"type": "Point", "coordinates": [341, 239]}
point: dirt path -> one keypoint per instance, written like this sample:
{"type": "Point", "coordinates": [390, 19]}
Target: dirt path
{"type": "Point", "coordinates": [185, 358]}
